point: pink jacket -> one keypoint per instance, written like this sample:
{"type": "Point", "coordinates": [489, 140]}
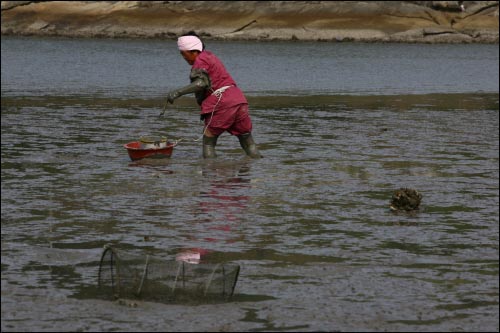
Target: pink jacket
{"type": "Point", "coordinates": [219, 77]}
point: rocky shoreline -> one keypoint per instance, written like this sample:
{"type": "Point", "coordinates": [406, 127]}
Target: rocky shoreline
{"type": "Point", "coordinates": [337, 21]}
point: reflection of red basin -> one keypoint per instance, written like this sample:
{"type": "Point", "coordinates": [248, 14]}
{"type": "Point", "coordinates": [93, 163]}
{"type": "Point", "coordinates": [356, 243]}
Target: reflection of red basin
{"type": "Point", "coordinates": [136, 150]}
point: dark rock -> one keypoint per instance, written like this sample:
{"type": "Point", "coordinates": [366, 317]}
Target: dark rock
{"type": "Point", "coordinates": [405, 199]}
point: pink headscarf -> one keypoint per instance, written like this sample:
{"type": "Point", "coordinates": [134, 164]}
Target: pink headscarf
{"type": "Point", "coordinates": [189, 43]}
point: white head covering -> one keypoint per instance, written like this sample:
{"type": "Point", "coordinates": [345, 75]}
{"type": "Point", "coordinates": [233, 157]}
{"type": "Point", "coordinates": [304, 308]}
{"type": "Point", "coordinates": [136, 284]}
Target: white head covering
{"type": "Point", "coordinates": [189, 43]}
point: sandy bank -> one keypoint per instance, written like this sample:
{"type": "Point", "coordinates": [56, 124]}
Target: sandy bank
{"type": "Point", "coordinates": [376, 21]}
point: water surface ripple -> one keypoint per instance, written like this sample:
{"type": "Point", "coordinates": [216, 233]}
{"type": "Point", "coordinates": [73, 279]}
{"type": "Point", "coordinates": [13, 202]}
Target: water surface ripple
{"type": "Point", "coordinates": [309, 223]}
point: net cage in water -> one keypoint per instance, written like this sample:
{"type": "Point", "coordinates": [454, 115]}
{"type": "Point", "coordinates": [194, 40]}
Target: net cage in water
{"type": "Point", "coordinates": [125, 275]}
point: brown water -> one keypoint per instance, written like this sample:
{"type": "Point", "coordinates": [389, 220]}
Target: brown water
{"type": "Point", "coordinates": [309, 223]}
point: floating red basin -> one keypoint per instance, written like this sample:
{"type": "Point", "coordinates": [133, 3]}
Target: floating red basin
{"type": "Point", "coordinates": [138, 150]}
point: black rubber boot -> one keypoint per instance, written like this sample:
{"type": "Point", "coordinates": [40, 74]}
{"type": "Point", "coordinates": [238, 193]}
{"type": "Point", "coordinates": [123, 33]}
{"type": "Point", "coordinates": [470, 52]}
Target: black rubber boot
{"type": "Point", "coordinates": [209, 146]}
{"type": "Point", "coordinates": [249, 146]}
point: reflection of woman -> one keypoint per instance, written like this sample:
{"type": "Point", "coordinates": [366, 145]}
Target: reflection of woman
{"type": "Point", "coordinates": [223, 105]}
{"type": "Point", "coordinates": [222, 206]}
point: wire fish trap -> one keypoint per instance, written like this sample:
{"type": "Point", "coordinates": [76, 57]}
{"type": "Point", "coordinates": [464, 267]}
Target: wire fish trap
{"type": "Point", "coordinates": [124, 275]}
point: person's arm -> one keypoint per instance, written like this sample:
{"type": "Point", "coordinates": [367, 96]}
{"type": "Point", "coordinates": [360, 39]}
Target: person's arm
{"type": "Point", "coordinates": [199, 82]}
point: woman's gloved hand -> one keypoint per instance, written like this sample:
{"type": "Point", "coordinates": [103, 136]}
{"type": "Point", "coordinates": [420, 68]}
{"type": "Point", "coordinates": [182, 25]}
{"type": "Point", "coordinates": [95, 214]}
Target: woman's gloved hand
{"type": "Point", "coordinates": [197, 85]}
{"type": "Point", "coordinates": [172, 96]}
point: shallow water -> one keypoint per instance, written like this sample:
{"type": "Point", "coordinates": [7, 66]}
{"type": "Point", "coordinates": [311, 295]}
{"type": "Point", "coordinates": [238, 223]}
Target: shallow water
{"type": "Point", "coordinates": [136, 68]}
{"type": "Point", "coordinates": [309, 223]}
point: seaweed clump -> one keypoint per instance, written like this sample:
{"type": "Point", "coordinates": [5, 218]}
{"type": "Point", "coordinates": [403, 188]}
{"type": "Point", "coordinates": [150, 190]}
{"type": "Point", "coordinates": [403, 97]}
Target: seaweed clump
{"type": "Point", "coordinates": [406, 199]}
